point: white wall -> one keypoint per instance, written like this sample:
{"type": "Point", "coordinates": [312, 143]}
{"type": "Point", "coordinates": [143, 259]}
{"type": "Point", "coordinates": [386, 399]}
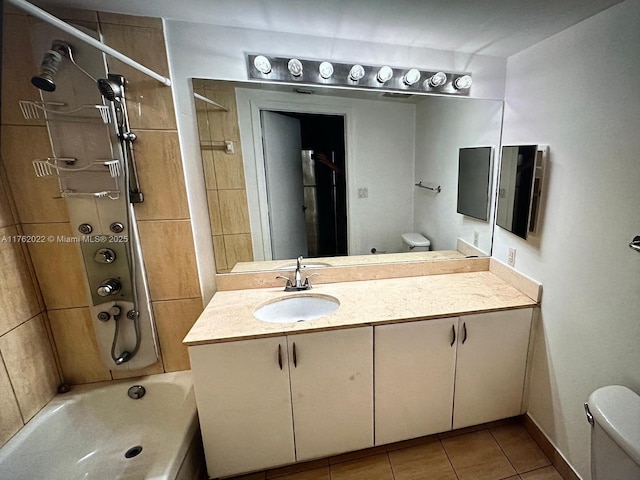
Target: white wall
{"type": "Point", "coordinates": [578, 91]}
{"type": "Point", "coordinates": [380, 139]}
{"type": "Point", "coordinates": [443, 126]}
{"type": "Point", "coordinates": [209, 51]}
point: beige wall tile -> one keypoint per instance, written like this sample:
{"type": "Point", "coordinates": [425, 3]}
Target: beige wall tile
{"type": "Point", "coordinates": [169, 257]}
{"type": "Point", "coordinates": [150, 370]}
{"type": "Point", "coordinates": [174, 319]}
{"type": "Point", "coordinates": [209, 170]}
{"type": "Point", "coordinates": [74, 15]}
{"type": "Point", "coordinates": [150, 103]}
{"type": "Point", "coordinates": [238, 248]}
{"type": "Point", "coordinates": [6, 216]}
{"type": "Point", "coordinates": [220, 254]}
{"type": "Point", "coordinates": [59, 267]}
{"type": "Point", "coordinates": [223, 125]}
{"type": "Point", "coordinates": [18, 66]}
{"type": "Point", "coordinates": [215, 216]}
{"type": "Point", "coordinates": [10, 419]}
{"type": "Point", "coordinates": [18, 298]}
{"type": "Point", "coordinates": [229, 169]}
{"type": "Point", "coordinates": [132, 20]}
{"type": "Point", "coordinates": [77, 347]}
{"type": "Point", "coordinates": [234, 211]}
{"type": "Point", "coordinates": [202, 119]}
{"type": "Point", "coordinates": [36, 198]}
{"type": "Point", "coordinates": [31, 366]}
{"type": "Point", "coordinates": [161, 176]}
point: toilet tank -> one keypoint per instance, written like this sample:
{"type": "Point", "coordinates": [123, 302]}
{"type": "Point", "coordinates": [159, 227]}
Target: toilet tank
{"type": "Point", "coordinates": [615, 436]}
{"type": "Point", "coordinates": [415, 242]}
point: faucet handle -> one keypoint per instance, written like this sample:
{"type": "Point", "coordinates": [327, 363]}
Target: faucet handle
{"type": "Point", "coordinates": [306, 283]}
{"type": "Point", "coordinates": [289, 282]}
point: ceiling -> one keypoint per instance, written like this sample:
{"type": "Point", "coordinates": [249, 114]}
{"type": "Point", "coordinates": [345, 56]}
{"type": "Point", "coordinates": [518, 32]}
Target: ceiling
{"type": "Point", "coordinates": [490, 27]}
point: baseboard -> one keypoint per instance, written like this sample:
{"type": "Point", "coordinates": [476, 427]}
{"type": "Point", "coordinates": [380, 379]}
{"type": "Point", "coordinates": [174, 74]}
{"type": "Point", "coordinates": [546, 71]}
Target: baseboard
{"type": "Point", "coordinates": [557, 459]}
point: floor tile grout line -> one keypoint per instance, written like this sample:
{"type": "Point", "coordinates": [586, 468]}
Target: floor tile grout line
{"type": "Point", "coordinates": [503, 452]}
{"type": "Point", "coordinates": [449, 460]}
{"type": "Point", "coordinates": [514, 467]}
{"type": "Point", "coordinates": [393, 474]}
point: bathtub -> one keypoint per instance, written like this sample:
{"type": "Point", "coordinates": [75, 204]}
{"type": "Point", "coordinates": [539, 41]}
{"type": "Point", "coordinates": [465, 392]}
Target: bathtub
{"type": "Point", "coordinates": [98, 432]}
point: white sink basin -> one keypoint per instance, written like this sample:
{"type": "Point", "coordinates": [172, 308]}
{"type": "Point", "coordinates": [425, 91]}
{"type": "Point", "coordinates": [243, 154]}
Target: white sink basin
{"type": "Point", "coordinates": [297, 308]}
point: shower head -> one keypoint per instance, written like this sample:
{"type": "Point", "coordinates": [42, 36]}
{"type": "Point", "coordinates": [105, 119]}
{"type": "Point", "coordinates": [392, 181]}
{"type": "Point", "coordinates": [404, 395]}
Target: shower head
{"type": "Point", "coordinates": [112, 87]}
{"type": "Point", "coordinates": [50, 65]}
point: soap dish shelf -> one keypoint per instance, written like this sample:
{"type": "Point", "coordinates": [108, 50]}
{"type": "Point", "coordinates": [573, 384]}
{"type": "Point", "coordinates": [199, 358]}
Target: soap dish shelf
{"type": "Point", "coordinates": [31, 109]}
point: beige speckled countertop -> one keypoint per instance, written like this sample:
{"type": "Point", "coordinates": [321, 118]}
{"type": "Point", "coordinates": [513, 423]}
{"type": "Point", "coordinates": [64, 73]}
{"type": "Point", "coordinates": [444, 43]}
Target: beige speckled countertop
{"type": "Point", "coordinates": [229, 315]}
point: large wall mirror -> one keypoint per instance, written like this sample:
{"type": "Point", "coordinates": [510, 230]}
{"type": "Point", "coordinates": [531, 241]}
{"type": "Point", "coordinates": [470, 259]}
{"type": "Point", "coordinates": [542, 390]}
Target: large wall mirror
{"type": "Point", "coordinates": [331, 174]}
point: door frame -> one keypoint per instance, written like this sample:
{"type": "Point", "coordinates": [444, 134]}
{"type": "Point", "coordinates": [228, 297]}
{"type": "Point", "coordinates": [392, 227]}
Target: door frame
{"type": "Point", "coordinates": [250, 103]}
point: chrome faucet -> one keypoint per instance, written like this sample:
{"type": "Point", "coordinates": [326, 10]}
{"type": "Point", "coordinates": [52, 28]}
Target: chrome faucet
{"type": "Point", "coordinates": [299, 283]}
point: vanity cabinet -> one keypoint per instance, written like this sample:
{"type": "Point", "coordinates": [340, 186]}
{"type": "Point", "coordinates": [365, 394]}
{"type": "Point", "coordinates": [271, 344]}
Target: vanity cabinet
{"type": "Point", "coordinates": [491, 366]}
{"type": "Point", "coordinates": [332, 391]}
{"type": "Point", "coordinates": [436, 375]}
{"type": "Point", "coordinates": [244, 404]}
{"type": "Point", "coordinates": [274, 401]}
{"type": "Point", "coordinates": [414, 377]}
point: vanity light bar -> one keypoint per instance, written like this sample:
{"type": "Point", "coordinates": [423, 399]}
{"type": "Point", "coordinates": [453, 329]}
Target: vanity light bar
{"type": "Point", "coordinates": [267, 68]}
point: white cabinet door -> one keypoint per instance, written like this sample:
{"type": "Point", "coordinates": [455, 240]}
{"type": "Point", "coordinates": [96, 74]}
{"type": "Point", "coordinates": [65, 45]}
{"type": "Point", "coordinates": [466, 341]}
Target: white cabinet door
{"type": "Point", "coordinates": [491, 365]}
{"type": "Point", "coordinates": [414, 366]}
{"type": "Point", "coordinates": [244, 404]}
{"type": "Point", "coordinates": [332, 391]}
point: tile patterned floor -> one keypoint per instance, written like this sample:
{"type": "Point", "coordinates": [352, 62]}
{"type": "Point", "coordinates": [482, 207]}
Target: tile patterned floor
{"type": "Point", "coordinates": [495, 453]}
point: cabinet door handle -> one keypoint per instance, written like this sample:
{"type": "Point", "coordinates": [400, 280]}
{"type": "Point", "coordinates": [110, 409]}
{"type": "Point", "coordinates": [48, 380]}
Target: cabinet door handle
{"type": "Point", "coordinates": [280, 356]}
{"type": "Point", "coordinates": [464, 332]}
{"type": "Point", "coordinates": [453, 334]}
{"type": "Point", "coordinates": [295, 357]}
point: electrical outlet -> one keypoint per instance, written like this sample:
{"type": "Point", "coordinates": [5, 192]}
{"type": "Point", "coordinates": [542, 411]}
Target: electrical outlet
{"type": "Point", "coordinates": [363, 192]}
{"type": "Point", "coordinates": [476, 237]}
{"type": "Point", "coordinates": [511, 257]}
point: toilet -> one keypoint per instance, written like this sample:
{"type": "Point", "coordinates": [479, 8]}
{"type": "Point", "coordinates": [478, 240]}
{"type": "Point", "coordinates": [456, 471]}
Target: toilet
{"type": "Point", "coordinates": [415, 242]}
{"type": "Point", "coordinates": [614, 412]}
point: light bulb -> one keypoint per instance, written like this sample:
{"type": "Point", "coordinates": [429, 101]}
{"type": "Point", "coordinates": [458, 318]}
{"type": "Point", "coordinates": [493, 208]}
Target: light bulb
{"type": "Point", "coordinates": [262, 64]}
{"type": "Point", "coordinates": [384, 74]}
{"type": "Point", "coordinates": [326, 70]}
{"type": "Point", "coordinates": [462, 83]}
{"type": "Point", "coordinates": [412, 76]}
{"type": "Point", "coordinates": [356, 73]}
{"type": "Point", "coordinates": [436, 80]}
{"type": "Point", "coordinates": [295, 67]}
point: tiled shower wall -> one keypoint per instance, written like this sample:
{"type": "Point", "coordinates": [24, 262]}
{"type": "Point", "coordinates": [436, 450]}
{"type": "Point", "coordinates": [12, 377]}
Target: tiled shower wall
{"type": "Point", "coordinates": [224, 175]}
{"type": "Point", "coordinates": [34, 333]}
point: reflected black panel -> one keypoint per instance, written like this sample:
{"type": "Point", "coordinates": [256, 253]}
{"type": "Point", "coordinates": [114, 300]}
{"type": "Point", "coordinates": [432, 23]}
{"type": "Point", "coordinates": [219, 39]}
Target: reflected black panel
{"type": "Point", "coordinates": [517, 168]}
{"type": "Point", "coordinates": [474, 170]}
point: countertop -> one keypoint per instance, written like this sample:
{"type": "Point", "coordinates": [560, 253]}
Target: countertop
{"type": "Point", "coordinates": [229, 315]}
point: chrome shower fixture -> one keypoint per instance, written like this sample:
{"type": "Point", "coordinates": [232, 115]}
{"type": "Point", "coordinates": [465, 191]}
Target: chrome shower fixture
{"type": "Point", "coordinates": [112, 88]}
{"type": "Point", "coordinates": [51, 63]}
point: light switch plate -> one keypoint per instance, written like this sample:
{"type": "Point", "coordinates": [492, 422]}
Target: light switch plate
{"type": "Point", "coordinates": [511, 257]}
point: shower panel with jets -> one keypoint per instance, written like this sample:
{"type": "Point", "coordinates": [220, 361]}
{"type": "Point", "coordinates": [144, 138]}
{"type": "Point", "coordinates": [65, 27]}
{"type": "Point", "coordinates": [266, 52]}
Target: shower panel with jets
{"type": "Point", "coordinates": [85, 111]}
